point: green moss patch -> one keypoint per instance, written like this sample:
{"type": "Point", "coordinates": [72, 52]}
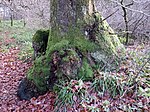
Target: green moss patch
{"type": "Point", "coordinates": [40, 73]}
{"type": "Point", "coordinates": [40, 35]}
{"type": "Point", "coordinates": [39, 42]}
{"type": "Point", "coordinates": [86, 71]}
{"type": "Point", "coordinates": [74, 39]}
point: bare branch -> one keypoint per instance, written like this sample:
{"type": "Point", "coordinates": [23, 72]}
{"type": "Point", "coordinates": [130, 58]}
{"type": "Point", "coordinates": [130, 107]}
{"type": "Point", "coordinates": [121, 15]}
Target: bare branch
{"type": "Point", "coordinates": [129, 4]}
{"type": "Point", "coordinates": [130, 8]}
{"type": "Point", "coordinates": [109, 15]}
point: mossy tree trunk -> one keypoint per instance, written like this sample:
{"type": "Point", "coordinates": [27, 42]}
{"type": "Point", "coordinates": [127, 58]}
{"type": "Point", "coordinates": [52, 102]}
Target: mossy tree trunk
{"type": "Point", "coordinates": [78, 41]}
{"type": "Point", "coordinates": [66, 13]}
{"type": "Point", "coordinates": [68, 16]}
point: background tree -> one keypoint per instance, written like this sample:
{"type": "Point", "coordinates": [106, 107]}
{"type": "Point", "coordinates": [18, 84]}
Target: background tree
{"type": "Point", "coordinates": [137, 14]}
{"type": "Point", "coordinates": [11, 10]}
{"type": "Point", "coordinates": [126, 19]}
{"type": "Point", "coordinates": [34, 13]}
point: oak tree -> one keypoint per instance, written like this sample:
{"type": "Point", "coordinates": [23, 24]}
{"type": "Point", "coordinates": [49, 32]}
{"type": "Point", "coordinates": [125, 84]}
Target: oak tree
{"type": "Point", "coordinates": [79, 40]}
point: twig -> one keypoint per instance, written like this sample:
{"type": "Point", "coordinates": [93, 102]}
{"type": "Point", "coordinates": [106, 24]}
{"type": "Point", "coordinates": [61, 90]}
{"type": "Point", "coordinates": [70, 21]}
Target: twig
{"type": "Point", "coordinates": [138, 73]}
{"type": "Point", "coordinates": [134, 79]}
{"type": "Point", "coordinates": [130, 8]}
{"type": "Point", "coordinates": [129, 88]}
{"type": "Point", "coordinates": [109, 15]}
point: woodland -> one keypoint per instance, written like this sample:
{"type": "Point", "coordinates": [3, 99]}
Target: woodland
{"type": "Point", "coordinates": [69, 56]}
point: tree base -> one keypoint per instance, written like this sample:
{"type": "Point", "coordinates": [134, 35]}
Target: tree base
{"type": "Point", "coordinates": [71, 56]}
{"type": "Point", "coordinates": [27, 90]}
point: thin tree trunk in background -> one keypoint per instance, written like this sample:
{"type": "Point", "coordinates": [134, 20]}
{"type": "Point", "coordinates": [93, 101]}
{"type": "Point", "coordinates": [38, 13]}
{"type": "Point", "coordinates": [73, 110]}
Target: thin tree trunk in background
{"type": "Point", "coordinates": [126, 23]}
{"type": "Point", "coordinates": [11, 20]}
{"type": "Point", "coordinates": [24, 22]}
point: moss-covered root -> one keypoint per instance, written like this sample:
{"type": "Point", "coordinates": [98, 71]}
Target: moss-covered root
{"type": "Point", "coordinates": [63, 65]}
{"type": "Point", "coordinates": [39, 42]}
{"type": "Point", "coordinates": [27, 89]}
{"type": "Point", "coordinates": [107, 38]}
{"type": "Point", "coordinates": [40, 73]}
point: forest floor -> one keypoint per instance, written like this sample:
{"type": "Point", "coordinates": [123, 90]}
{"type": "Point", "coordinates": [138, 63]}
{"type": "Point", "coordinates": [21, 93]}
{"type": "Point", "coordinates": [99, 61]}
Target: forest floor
{"type": "Point", "coordinates": [15, 61]}
{"type": "Point", "coordinates": [12, 70]}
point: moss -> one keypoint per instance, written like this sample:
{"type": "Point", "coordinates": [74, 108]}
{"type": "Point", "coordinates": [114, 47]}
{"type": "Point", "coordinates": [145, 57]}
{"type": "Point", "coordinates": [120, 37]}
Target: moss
{"type": "Point", "coordinates": [73, 39]}
{"type": "Point", "coordinates": [39, 42]}
{"type": "Point", "coordinates": [68, 65]}
{"type": "Point", "coordinates": [41, 35]}
{"type": "Point", "coordinates": [40, 73]}
{"type": "Point", "coordinates": [107, 38]}
{"type": "Point", "coordinates": [57, 46]}
{"type": "Point", "coordinates": [86, 71]}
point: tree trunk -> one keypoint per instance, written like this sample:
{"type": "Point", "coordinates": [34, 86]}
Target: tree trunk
{"type": "Point", "coordinates": [79, 40]}
{"type": "Point", "coordinates": [66, 13]}
{"type": "Point", "coordinates": [24, 22]}
{"type": "Point", "coordinates": [11, 20]}
{"type": "Point", "coordinates": [126, 22]}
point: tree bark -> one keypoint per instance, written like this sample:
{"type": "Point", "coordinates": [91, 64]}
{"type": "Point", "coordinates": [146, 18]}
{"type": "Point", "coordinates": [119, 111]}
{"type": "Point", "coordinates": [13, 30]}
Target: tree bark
{"type": "Point", "coordinates": [11, 20]}
{"type": "Point", "coordinates": [66, 13]}
{"type": "Point", "coordinates": [126, 22]}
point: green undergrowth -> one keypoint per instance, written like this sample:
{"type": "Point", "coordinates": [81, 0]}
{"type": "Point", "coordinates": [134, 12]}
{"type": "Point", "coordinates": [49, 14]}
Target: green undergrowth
{"type": "Point", "coordinates": [86, 72]}
{"type": "Point", "coordinates": [78, 92]}
{"type": "Point", "coordinates": [66, 93]}
{"type": "Point", "coordinates": [6, 24]}
{"type": "Point", "coordinates": [21, 35]}
{"type": "Point", "coordinates": [83, 94]}
{"type": "Point", "coordinates": [107, 82]}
